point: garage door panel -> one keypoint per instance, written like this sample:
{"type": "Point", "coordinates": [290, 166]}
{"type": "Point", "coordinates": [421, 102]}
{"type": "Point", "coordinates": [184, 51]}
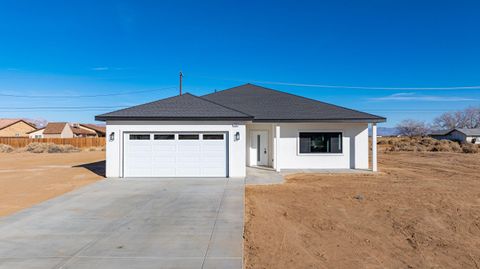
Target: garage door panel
{"type": "Point", "coordinates": [166, 155]}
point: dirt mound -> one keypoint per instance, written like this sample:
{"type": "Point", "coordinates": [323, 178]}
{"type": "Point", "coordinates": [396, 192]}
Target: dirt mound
{"type": "Point", "coordinates": [424, 144]}
{"type": "Point", "coordinates": [50, 148]}
{"type": "Point", "coordinates": [5, 148]}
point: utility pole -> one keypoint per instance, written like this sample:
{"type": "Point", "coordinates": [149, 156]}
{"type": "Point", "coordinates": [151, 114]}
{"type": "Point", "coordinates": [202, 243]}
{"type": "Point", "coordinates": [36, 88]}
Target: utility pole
{"type": "Point", "coordinates": [181, 76]}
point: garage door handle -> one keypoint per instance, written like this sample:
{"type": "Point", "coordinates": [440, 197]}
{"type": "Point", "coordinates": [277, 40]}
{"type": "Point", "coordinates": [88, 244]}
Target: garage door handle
{"type": "Point", "coordinates": [264, 151]}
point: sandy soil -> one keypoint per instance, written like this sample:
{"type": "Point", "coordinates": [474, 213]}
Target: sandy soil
{"type": "Point", "coordinates": [28, 178]}
{"type": "Point", "coordinates": [422, 211]}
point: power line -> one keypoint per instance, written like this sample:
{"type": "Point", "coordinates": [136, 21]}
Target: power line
{"type": "Point", "coordinates": [85, 96]}
{"type": "Point", "coordinates": [326, 86]}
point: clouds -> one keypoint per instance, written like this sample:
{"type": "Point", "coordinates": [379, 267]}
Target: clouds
{"type": "Point", "coordinates": [106, 68]}
{"type": "Point", "coordinates": [411, 96]}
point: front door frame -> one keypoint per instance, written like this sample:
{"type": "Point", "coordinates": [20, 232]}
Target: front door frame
{"type": "Point", "coordinates": [253, 160]}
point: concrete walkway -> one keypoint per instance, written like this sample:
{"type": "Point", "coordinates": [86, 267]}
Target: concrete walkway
{"type": "Point", "coordinates": [137, 223]}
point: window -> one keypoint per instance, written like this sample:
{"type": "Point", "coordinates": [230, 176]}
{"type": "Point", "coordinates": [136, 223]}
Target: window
{"type": "Point", "coordinates": [164, 137]}
{"type": "Point", "coordinates": [139, 137]}
{"type": "Point", "coordinates": [213, 137]}
{"type": "Point", "coordinates": [38, 136]}
{"type": "Point", "coordinates": [316, 142]}
{"type": "Point", "coordinates": [188, 137]}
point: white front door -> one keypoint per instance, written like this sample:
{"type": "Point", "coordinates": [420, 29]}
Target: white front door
{"type": "Point", "coordinates": [175, 155]}
{"type": "Point", "coordinates": [259, 148]}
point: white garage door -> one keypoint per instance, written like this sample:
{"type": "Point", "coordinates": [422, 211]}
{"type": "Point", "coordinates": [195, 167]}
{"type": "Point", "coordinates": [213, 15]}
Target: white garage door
{"type": "Point", "coordinates": [175, 155]}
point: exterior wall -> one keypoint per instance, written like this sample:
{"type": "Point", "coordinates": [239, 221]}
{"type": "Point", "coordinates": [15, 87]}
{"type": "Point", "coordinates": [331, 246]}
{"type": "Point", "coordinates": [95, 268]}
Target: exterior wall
{"type": "Point", "coordinates": [355, 147]}
{"type": "Point", "coordinates": [471, 138]}
{"type": "Point", "coordinates": [66, 132]}
{"type": "Point", "coordinates": [36, 133]}
{"type": "Point", "coordinates": [236, 149]}
{"type": "Point", "coordinates": [19, 129]}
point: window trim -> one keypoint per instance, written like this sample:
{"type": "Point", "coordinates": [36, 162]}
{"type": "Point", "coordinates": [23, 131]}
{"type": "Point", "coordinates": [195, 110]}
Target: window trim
{"type": "Point", "coordinates": [320, 153]}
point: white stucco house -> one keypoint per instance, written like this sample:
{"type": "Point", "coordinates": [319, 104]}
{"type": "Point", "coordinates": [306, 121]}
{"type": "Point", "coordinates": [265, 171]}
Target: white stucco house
{"type": "Point", "coordinates": [220, 134]}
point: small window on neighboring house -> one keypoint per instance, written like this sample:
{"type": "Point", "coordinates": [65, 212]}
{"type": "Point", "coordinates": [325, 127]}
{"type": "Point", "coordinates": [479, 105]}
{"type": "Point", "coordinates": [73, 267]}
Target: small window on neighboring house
{"type": "Point", "coordinates": [320, 142]}
{"type": "Point", "coordinates": [139, 137]}
{"type": "Point", "coordinates": [38, 136]}
{"type": "Point", "coordinates": [17, 134]}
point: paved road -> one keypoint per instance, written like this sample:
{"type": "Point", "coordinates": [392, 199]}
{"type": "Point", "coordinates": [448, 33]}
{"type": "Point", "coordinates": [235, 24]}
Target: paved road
{"type": "Point", "coordinates": [133, 223]}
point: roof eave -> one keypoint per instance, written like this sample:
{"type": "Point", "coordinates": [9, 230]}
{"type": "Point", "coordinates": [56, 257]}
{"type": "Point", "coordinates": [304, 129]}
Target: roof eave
{"type": "Point", "coordinates": [377, 120]}
{"type": "Point", "coordinates": [117, 118]}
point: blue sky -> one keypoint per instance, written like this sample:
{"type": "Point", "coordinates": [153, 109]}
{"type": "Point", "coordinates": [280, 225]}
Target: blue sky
{"type": "Point", "coordinates": [69, 50]}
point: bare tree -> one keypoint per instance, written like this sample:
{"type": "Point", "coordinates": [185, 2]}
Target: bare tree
{"type": "Point", "coordinates": [412, 127]}
{"type": "Point", "coordinates": [467, 118]}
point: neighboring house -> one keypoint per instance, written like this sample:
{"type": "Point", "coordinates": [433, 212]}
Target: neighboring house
{"type": "Point", "coordinates": [57, 130]}
{"type": "Point", "coordinates": [15, 128]}
{"type": "Point", "coordinates": [219, 134]}
{"type": "Point", "coordinates": [36, 133]}
{"type": "Point", "coordinates": [462, 135]}
{"type": "Point", "coordinates": [66, 130]}
{"type": "Point", "coordinates": [99, 130]}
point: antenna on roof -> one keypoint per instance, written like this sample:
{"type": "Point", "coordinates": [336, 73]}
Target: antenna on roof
{"type": "Point", "coordinates": [181, 76]}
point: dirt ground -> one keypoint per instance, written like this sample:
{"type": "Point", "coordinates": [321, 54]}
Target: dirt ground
{"type": "Point", "coordinates": [28, 178]}
{"type": "Point", "coordinates": [421, 211]}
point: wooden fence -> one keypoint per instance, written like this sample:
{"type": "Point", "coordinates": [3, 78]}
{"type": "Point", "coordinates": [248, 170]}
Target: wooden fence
{"type": "Point", "coordinates": [79, 142]}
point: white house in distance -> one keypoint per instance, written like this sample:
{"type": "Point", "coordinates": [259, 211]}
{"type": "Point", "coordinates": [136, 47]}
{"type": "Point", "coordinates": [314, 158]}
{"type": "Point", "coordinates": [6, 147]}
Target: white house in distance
{"type": "Point", "coordinates": [219, 134]}
{"type": "Point", "coordinates": [462, 135]}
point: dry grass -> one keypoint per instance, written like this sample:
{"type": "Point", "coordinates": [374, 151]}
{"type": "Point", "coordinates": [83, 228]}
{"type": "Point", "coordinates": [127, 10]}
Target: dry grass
{"type": "Point", "coordinates": [49, 148]}
{"type": "Point", "coordinates": [5, 148]}
{"type": "Point", "coordinates": [424, 144]}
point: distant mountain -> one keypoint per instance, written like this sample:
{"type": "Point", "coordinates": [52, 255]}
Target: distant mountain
{"type": "Point", "coordinates": [384, 131]}
{"type": "Point", "coordinates": [39, 123]}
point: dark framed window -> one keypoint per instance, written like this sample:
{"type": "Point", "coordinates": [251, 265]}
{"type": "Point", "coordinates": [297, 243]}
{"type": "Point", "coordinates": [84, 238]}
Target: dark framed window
{"type": "Point", "coordinates": [139, 137]}
{"type": "Point", "coordinates": [213, 137]}
{"type": "Point", "coordinates": [320, 142]}
{"type": "Point", "coordinates": [164, 137]}
{"type": "Point", "coordinates": [188, 137]}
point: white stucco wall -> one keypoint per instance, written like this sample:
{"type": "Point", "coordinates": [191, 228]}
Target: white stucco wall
{"type": "Point", "coordinates": [236, 152]}
{"type": "Point", "coordinates": [355, 147]}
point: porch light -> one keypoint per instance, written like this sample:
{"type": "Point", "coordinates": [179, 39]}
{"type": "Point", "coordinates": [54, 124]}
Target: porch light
{"type": "Point", "coordinates": [237, 136]}
{"type": "Point", "coordinates": [112, 136]}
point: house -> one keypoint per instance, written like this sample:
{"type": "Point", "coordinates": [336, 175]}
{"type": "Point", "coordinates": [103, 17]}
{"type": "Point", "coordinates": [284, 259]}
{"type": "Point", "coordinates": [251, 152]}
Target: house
{"type": "Point", "coordinates": [219, 134]}
{"type": "Point", "coordinates": [53, 130]}
{"type": "Point", "coordinates": [66, 130]}
{"type": "Point", "coordinates": [462, 135]}
{"type": "Point", "coordinates": [15, 128]}
{"type": "Point", "coordinates": [99, 130]}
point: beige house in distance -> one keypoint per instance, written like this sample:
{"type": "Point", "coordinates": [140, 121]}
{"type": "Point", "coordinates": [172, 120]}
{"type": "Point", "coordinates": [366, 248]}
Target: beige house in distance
{"type": "Point", "coordinates": [15, 128]}
{"type": "Point", "coordinates": [66, 130]}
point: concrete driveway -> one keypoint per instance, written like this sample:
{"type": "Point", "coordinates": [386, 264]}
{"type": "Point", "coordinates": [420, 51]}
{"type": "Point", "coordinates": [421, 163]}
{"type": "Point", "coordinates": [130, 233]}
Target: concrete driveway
{"type": "Point", "coordinates": [132, 223]}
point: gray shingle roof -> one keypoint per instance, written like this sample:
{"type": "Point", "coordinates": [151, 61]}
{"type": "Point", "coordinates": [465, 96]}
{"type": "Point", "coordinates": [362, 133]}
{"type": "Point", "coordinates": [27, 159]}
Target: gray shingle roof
{"type": "Point", "coordinates": [466, 131]}
{"type": "Point", "coordinates": [246, 102]}
{"type": "Point", "coordinates": [182, 107]}
{"type": "Point", "coordinates": [271, 105]}
{"type": "Point", "coordinates": [469, 132]}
